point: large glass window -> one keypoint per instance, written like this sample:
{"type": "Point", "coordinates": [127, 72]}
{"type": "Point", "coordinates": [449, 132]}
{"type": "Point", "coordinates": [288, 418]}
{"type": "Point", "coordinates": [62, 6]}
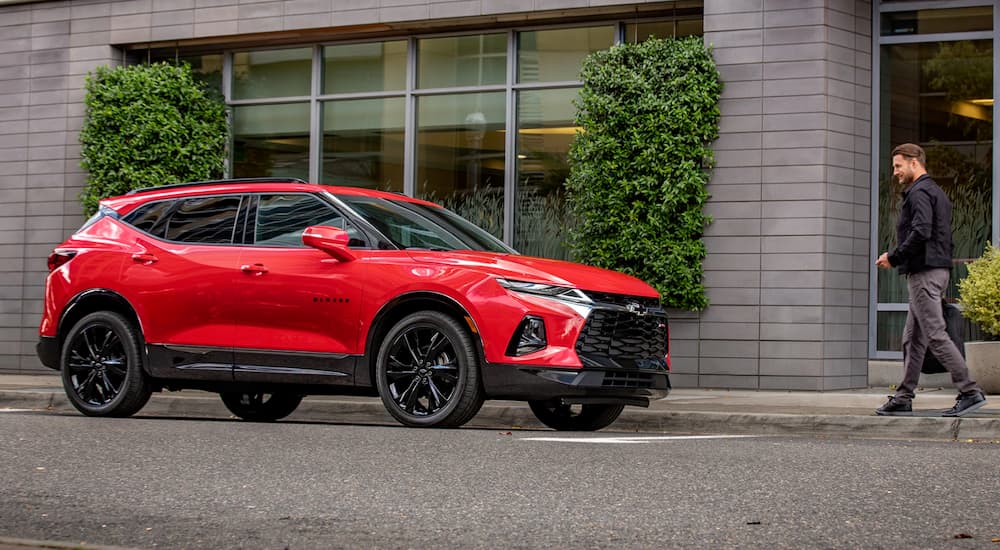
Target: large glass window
{"type": "Point", "coordinates": [271, 140]}
{"type": "Point", "coordinates": [363, 143]}
{"type": "Point", "coordinates": [272, 73]}
{"type": "Point", "coordinates": [369, 67]}
{"type": "Point", "coordinates": [476, 60]}
{"type": "Point", "coordinates": [545, 130]}
{"type": "Point", "coordinates": [460, 155]}
{"type": "Point", "coordinates": [940, 96]}
{"type": "Point", "coordinates": [430, 116]}
{"type": "Point", "coordinates": [554, 55]}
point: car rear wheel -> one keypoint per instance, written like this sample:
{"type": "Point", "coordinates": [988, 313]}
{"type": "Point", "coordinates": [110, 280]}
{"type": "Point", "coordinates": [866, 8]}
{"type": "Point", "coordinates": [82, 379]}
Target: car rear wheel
{"type": "Point", "coordinates": [101, 366]}
{"type": "Point", "coordinates": [575, 418]}
{"type": "Point", "coordinates": [427, 372]}
{"type": "Point", "coordinates": [261, 407]}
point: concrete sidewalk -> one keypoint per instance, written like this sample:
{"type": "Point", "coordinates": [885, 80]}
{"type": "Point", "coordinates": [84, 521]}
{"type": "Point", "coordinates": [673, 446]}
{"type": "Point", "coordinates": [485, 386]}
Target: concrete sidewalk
{"type": "Point", "coordinates": [841, 413]}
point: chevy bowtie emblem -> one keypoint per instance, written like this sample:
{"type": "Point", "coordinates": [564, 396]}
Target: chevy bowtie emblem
{"type": "Point", "coordinates": [637, 309]}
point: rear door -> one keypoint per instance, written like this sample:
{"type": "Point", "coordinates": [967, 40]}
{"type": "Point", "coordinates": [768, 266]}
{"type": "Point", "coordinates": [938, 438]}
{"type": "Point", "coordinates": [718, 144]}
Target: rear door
{"type": "Point", "coordinates": [180, 277]}
{"type": "Point", "coordinates": [298, 308]}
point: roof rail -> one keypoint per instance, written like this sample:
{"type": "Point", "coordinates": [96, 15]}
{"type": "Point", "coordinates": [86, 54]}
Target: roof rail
{"type": "Point", "coordinates": [214, 182]}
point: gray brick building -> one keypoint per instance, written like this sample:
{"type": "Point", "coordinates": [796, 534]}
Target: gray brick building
{"type": "Point", "coordinates": [801, 160]}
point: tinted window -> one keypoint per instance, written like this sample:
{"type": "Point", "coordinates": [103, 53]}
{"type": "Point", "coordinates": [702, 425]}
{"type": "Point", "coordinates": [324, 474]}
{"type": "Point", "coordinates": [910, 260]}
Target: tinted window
{"type": "Point", "coordinates": [414, 225]}
{"type": "Point", "coordinates": [281, 219]}
{"type": "Point", "coordinates": [204, 220]}
{"type": "Point", "coordinates": [151, 218]}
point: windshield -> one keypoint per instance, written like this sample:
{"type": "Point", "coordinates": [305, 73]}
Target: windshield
{"type": "Point", "coordinates": [414, 225]}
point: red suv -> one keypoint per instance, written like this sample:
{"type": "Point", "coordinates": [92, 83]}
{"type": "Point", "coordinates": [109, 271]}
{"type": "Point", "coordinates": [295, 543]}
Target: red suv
{"type": "Point", "coordinates": [269, 290]}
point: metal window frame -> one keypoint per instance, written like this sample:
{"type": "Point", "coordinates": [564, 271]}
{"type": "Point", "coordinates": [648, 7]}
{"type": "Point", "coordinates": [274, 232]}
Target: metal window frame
{"type": "Point", "coordinates": [877, 42]}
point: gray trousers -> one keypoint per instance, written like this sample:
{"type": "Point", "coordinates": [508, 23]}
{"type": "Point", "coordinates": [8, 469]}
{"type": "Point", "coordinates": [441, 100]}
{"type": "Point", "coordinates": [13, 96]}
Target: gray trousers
{"type": "Point", "coordinates": [925, 331]}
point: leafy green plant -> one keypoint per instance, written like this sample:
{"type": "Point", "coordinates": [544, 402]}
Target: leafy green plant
{"type": "Point", "coordinates": [980, 291]}
{"type": "Point", "coordinates": [148, 125]}
{"type": "Point", "coordinates": [638, 168]}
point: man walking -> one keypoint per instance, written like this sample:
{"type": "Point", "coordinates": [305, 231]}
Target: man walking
{"type": "Point", "coordinates": [923, 255]}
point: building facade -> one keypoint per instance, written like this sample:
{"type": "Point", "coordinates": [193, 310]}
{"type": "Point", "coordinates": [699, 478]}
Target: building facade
{"type": "Point", "coordinates": [469, 103]}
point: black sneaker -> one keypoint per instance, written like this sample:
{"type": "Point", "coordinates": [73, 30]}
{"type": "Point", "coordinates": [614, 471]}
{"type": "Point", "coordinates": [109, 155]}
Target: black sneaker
{"type": "Point", "coordinates": [966, 403]}
{"type": "Point", "coordinates": [895, 407]}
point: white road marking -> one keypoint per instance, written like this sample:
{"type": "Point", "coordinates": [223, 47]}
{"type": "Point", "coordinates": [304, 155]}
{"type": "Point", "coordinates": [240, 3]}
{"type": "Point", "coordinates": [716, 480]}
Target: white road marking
{"type": "Point", "coordinates": [18, 410]}
{"type": "Point", "coordinates": [633, 439]}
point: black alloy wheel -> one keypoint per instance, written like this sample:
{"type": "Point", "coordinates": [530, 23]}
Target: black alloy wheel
{"type": "Point", "coordinates": [261, 407]}
{"type": "Point", "coordinates": [101, 366]}
{"type": "Point", "coordinates": [575, 418]}
{"type": "Point", "coordinates": [427, 372]}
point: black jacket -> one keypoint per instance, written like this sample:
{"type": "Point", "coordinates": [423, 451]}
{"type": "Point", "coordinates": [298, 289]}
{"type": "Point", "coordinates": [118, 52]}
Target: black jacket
{"type": "Point", "coordinates": [923, 232]}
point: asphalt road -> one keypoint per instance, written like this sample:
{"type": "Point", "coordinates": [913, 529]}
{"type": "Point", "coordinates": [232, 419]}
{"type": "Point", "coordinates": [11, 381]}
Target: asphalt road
{"type": "Point", "coordinates": [186, 483]}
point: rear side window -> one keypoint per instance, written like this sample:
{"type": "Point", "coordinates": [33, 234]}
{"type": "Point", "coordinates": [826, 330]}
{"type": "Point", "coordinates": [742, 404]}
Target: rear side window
{"type": "Point", "coordinates": [198, 220]}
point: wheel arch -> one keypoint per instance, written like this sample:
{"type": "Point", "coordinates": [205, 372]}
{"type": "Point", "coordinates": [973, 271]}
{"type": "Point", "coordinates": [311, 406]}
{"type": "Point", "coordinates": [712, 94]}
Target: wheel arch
{"type": "Point", "coordinates": [401, 306]}
{"type": "Point", "coordinates": [97, 299]}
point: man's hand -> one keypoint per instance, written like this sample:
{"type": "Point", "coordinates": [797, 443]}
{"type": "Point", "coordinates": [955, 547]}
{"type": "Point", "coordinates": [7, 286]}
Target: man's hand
{"type": "Point", "coordinates": [883, 261]}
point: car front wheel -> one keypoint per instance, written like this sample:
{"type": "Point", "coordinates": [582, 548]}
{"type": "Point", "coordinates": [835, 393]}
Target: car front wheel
{"type": "Point", "coordinates": [101, 366]}
{"type": "Point", "coordinates": [427, 372]}
{"type": "Point", "coordinates": [575, 418]}
{"type": "Point", "coordinates": [261, 407]}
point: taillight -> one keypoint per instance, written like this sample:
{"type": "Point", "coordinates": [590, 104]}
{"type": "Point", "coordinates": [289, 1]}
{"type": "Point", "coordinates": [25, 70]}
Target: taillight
{"type": "Point", "coordinates": [60, 257]}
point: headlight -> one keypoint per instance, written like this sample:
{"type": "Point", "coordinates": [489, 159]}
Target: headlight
{"type": "Point", "coordinates": [563, 293]}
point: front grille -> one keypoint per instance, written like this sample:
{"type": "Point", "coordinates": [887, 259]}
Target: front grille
{"type": "Point", "coordinates": [625, 339]}
{"type": "Point", "coordinates": [622, 299]}
{"type": "Point", "coordinates": [627, 380]}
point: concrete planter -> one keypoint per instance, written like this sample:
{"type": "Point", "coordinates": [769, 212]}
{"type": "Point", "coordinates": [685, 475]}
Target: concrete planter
{"type": "Point", "coordinates": [983, 359]}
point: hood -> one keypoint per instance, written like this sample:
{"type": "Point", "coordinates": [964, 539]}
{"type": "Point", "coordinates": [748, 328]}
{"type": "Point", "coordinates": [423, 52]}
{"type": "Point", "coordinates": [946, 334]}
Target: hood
{"type": "Point", "coordinates": [540, 270]}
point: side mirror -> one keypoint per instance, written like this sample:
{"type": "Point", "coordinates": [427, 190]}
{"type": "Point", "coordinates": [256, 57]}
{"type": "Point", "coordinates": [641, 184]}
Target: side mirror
{"type": "Point", "coordinates": [331, 240]}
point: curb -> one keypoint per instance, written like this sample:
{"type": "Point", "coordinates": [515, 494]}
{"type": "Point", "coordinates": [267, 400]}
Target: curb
{"type": "Point", "coordinates": [508, 415]}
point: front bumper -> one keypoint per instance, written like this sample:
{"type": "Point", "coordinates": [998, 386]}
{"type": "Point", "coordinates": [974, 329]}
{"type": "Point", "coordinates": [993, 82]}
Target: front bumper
{"type": "Point", "coordinates": [47, 350]}
{"type": "Point", "coordinates": [533, 383]}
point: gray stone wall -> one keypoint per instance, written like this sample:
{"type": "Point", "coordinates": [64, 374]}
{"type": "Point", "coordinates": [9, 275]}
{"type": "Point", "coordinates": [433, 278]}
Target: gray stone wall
{"type": "Point", "coordinates": [788, 260]}
{"type": "Point", "coordinates": [788, 252]}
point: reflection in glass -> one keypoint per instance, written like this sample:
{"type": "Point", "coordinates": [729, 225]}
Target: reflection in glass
{"type": "Point", "coordinates": [977, 18]}
{"type": "Point", "coordinates": [363, 143]}
{"type": "Point", "coordinates": [674, 28]}
{"type": "Point", "coordinates": [371, 67]}
{"type": "Point", "coordinates": [477, 60]}
{"type": "Point", "coordinates": [272, 73]}
{"type": "Point", "coordinates": [271, 140]}
{"type": "Point", "coordinates": [460, 155]}
{"type": "Point", "coordinates": [545, 129]}
{"type": "Point", "coordinates": [931, 99]}
{"type": "Point", "coordinates": [557, 55]}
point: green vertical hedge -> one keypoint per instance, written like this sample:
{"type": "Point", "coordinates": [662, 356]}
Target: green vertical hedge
{"type": "Point", "coordinates": [639, 168]}
{"type": "Point", "coordinates": [149, 125]}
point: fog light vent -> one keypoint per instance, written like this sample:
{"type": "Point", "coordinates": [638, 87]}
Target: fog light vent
{"type": "Point", "coordinates": [528, 338]}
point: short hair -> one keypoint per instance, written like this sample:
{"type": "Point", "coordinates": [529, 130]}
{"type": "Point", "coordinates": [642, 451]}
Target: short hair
{"type": "Point", "coordinates": [911, 151]}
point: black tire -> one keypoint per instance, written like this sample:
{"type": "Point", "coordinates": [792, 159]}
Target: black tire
{"type": "Point", "coordinates": [427, 372]}
{"type": "Point", "coordinates": [575, 418]}
{"type": "Point", "coordinates": [261, 407]}
{"type": "Point", "coordinates": [101, 366]}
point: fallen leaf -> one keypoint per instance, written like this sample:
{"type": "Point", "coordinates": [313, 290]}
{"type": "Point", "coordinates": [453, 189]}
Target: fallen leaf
{"type": "Point", "coordinates": [963, 536]}
{"type": "Point", "coordinates": [506, 433]}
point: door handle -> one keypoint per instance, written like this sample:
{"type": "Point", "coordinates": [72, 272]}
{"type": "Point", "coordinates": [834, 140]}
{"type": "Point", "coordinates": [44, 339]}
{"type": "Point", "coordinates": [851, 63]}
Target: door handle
{"type": "Point", "coordinates": [254, 269]}
{"type": "Point", "coordinates": [144, 258]}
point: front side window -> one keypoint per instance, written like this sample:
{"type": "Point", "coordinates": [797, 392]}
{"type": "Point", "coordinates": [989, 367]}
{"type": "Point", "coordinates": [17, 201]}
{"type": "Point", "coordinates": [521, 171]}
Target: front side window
{"type": "Point", "coordinates": [414, 225]}
{"type": "Point", "coordinates": [281, 219]}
